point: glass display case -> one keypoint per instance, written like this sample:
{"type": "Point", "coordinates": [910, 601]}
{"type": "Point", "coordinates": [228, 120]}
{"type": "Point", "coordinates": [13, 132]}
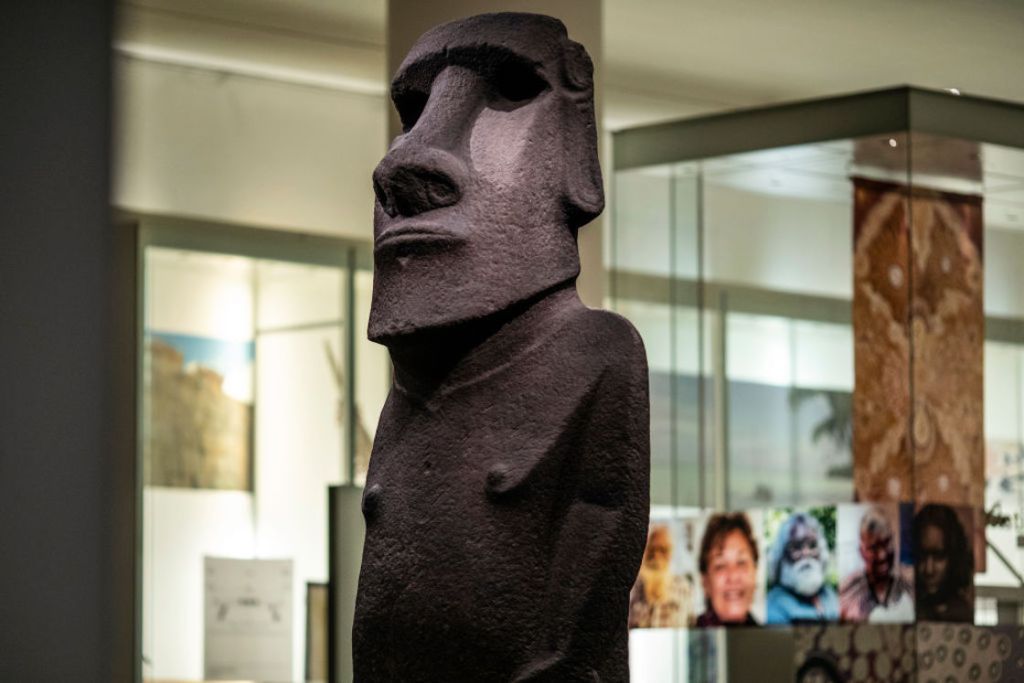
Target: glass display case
{"type": "Point", "coordinates": [831, 294]}
{"type": "Point", "coordinates": [258, 391]}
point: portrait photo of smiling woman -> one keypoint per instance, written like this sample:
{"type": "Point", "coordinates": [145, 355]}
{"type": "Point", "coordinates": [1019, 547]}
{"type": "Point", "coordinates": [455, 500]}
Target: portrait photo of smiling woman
{"type": "Point", "coordinates": [729, 576]}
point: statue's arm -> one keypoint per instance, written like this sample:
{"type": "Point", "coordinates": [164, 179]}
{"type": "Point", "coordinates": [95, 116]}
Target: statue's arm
{"type": "Point", "coordinates": [600, 539]}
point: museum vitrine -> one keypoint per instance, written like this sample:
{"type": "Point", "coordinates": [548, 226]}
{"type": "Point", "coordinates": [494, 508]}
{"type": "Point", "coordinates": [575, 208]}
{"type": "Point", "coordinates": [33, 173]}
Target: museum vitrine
{"type": "Point", "coordinates": [257, 391]}
{"type": "Point", "coordinates": [832, 301]}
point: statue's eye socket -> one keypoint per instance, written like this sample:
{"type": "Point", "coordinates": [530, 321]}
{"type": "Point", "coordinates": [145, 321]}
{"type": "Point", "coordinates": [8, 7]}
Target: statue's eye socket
{"type": "Point", "coordinates": [410, 104]}
{"type": "Point", "coordinates": [518, 82]}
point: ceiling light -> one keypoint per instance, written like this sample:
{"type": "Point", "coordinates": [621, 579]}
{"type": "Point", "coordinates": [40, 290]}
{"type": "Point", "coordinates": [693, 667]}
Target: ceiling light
{"type": "Point", "coordinates": [892, 142]}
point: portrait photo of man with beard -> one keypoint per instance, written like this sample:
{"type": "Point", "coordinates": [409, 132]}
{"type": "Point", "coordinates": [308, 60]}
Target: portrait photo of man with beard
{"type": "Point", "coordinates": [801, 579]}
{"type": "Point", "coordinates": [662, 596]}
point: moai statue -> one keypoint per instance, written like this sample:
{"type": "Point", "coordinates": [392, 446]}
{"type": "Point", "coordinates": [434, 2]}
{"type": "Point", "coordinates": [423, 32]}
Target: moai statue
{"type": "Point", "coordinates": [506, 501]}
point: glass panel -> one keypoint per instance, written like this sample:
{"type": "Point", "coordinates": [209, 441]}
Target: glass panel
{"type": "Point", "coordinates": [196, 438]}
{"type": "Point", "coordinates": [641, 239]}
{"type": "Point", "coordinates": [760, 430]}
{"type": "Point", "coordinates": [779, 220]}
{"type": "Point", "coordinates": [642, 292]}
{"type": "Point", "coordinates": [654, 275]}
{"type": "Point", "coordinates": [1002, 171]}
{"type": "Point", "coordinates": [293, 295]}
{"type": "Point", "coordinates": [656, 257]}
{"type": "Point", "coordinates": [1004, 461]}
{"type": "Point", "coordinates": [246, 378]}
{"type": "Point", "coordinates": [654, 323]}
{"type": "Point", "coordinates": [300, 421]}
{"type": "Point", "coordinates": [767, 285]}
{"type": "Point", "coordinates": [692, 399]}
{"type": "Point", "coordinates": [777, 250]}
{"type": "Point", "coordinates": [822, 400]}
{"type": "Point", "coordinates": [373, 376]}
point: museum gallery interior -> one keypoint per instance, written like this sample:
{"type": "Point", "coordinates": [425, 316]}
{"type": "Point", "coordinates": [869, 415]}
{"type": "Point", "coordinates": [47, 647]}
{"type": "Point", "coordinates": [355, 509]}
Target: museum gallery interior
{"type": "Point", "coordinates": [399, 341]}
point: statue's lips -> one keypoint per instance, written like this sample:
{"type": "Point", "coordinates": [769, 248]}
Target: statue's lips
{"type": "Point", "coordinates": [415, 235]}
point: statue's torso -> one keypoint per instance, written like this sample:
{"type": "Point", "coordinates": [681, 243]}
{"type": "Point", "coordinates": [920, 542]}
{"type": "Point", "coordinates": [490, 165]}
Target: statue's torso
{"type": "Point", "coordinates": [464, 501]}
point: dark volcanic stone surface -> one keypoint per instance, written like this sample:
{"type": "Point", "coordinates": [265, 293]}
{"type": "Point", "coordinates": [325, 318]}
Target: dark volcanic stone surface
{"type": "Point", "coordinates": [507, 497]}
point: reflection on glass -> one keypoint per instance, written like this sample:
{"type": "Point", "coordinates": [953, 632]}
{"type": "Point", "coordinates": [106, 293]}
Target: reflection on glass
{"type": "Point", "coordinates": [244, 425]}
{"type": "Point", "coordinates": [760, 244]}
{"type": "Point", "coordinates": [373, 376]}
{"type": "Point", "coordinates": [790, 401]}
{"type": "Point", "coordinates": [197, 448]}
{"type": "Point", "coordinates": [1003, 181]}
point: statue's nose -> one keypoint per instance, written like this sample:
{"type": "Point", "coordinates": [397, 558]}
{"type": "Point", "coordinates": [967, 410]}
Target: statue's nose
{"type": "Point", "coordinates": [409, 182]}
{"type": "Point", "coordinates": [423, 170]}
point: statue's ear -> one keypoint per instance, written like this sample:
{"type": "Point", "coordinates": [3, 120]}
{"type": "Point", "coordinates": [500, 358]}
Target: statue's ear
{"type": "Point", "coordinates": [584, 188]}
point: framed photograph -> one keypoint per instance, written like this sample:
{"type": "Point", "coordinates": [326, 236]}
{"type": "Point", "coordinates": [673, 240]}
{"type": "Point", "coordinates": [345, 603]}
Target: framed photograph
{"type": "Point", "coordinates": [197, 431]}
{"type": "Point", "coordinates": [800, 563]}
{"type": "Point", "coordinates": [875, 558]}
{"type": "Point", "coordinates": [730, 569]}
{"type": "Point", "coordinates": [944, 562]}
{"type": "Point", "coordinates": [662, 596]}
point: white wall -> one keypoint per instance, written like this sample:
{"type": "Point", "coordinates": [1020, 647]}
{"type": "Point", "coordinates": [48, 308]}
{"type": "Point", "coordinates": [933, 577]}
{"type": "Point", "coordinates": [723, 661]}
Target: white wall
{"type": "Point", "coordinates": [246, 150]}
{"type": "Point", "coordinates": [180, 527]}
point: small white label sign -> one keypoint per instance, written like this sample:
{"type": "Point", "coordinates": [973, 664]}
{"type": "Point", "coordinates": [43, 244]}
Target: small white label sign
{"type": "Point", "coordinates": [248, 619]}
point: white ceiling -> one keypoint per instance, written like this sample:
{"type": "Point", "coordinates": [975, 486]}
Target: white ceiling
{"type": "Point", "coordinates": [744, 52]}
{"type": "Point", "coordinates": [663, 58]}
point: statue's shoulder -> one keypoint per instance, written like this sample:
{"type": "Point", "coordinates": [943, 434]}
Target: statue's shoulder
{"type": "Point", "coordinates": [605, 334]}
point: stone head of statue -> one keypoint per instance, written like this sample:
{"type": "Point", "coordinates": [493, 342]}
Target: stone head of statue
{"type": "Point", "coordinates": [479, 199]}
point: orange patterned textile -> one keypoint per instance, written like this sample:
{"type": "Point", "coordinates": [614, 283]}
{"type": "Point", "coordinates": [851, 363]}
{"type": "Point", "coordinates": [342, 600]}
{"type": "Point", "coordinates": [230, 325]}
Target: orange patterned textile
{"type": "Point", "coordinates": [882, 464]}
{"type": "Point", "coordinates": [918, 324]}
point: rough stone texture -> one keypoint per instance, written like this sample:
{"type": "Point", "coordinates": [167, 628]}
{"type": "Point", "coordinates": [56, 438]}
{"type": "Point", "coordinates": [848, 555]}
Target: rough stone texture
{"type": "Point", "coordinates": [507, 496]}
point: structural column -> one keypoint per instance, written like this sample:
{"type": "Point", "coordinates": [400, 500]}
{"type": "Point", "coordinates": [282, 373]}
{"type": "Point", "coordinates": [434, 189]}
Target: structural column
{"type": "Point", "coordinates": [67, 570]}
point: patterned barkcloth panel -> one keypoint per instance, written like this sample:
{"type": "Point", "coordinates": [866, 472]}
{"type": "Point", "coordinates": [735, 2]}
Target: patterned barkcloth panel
{"type": "Point", "coordinates": [918, 324]}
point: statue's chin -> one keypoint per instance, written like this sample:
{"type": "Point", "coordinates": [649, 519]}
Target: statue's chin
{"type": "Point", "coordinates": [407, 306]}
{"type": "Point", "coordinates": [407, 322]}
{"type": "Point", "coordinates": [384, 329]}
